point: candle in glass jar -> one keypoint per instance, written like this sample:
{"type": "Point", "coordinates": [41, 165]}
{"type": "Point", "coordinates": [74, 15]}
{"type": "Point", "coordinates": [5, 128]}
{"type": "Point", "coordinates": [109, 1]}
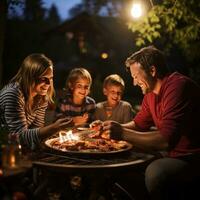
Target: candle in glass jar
{"type": "Point", "coordinates": [12, 160]}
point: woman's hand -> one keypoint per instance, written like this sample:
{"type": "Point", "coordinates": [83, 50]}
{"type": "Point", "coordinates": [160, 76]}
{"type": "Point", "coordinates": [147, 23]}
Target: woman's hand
{"type": "Point", "coordinates": [58, 125]}
{"type": "Point", "coordinates": [63, 123]}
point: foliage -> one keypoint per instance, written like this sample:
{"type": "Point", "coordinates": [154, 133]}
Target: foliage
{"type": "Point", "coordinates": [34, 10]}
{"type": "Point", "coordinates": [14, 6]}
{"type": "Point", "coordinates": [173, 22]}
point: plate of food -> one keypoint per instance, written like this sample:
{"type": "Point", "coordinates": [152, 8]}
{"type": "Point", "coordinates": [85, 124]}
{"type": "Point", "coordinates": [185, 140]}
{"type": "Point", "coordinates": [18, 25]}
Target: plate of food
{"type": "Point", "coordinates": [81, 142]}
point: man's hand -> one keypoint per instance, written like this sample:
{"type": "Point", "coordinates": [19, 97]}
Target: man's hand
{"type": "Point", "coordinates": [115, 128]}
{"type": "Point", "coordinates": [96, 125]}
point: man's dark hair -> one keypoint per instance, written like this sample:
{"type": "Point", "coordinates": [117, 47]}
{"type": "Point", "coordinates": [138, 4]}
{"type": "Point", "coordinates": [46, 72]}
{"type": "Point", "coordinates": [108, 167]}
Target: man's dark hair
{"type": "Point", "coordinates": [147, 57]}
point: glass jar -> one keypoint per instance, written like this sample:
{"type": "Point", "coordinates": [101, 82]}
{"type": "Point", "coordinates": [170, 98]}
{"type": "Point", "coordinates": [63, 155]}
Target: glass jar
{"type": "Point", "coordinates": [11, 151]}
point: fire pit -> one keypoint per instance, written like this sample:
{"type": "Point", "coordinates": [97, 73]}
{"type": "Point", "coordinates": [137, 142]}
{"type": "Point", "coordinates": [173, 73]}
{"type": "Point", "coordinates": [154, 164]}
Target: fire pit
{"type": "Point", "coordinates": [99, 166]}
{"type": "Point", "coordinates": [85, 142]}
{"type": "Point", "coordinates": [98, 170]}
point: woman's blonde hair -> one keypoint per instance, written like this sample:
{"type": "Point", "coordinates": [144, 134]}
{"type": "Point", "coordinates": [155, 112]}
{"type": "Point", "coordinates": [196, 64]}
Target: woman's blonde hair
{"type": "Point", "coordinates": [32, 67]}
{"type": "Point", "coordinates": [76, 74]}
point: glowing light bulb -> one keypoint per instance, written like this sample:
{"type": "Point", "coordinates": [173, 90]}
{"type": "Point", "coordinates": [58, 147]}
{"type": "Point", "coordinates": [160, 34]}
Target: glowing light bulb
{"type": "Point", "coordinates": [104, 55]}
{"type": "Point", "coordinates": [136, 10]}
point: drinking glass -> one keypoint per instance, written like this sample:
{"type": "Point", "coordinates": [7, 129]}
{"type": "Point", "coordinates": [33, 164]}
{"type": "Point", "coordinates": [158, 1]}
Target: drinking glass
{"type": "Point", "coordinates": [11, 155]}
{"type": "Point", "coordinates": [108, 111]}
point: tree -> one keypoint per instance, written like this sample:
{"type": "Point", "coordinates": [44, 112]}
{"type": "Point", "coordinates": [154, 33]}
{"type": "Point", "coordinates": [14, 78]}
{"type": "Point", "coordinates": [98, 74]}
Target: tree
{"type": "Point", "coordinates": [97, 7]}
{"type": "Point", "coordinates": [4, 6]}
{"type": "Point", "coordinates": [33, 10]}
{"type": "Point", "coordinates": [3, 11]}
{"type": "Point", "coordinates": [24, 33]}
{"type": "Point", "coordinates": [53, 18]}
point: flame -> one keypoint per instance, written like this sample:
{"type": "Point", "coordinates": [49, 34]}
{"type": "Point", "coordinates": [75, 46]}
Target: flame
{"type": "Point", "coordinates": [12, 160]}
{"type": "Point", "coordinates": [67, 136]}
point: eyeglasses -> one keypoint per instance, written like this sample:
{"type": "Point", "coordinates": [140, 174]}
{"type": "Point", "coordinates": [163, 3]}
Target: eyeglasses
{"type": "Point", "coordinates": [45, 80]}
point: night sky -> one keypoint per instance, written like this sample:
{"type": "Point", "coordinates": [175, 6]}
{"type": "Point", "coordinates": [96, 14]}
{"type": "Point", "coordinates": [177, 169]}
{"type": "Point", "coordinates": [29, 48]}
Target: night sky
{"type": "Point", "coordinates": [63, 6]}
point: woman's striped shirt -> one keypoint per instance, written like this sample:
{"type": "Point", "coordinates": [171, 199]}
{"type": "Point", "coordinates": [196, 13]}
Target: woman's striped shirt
{"type": "Point", "coordinates": [21, 123]}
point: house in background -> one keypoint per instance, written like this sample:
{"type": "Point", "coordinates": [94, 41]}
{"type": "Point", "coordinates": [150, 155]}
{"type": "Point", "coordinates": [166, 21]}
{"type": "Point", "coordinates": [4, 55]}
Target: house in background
{"type": "Point", "coordinates": [90, 41]}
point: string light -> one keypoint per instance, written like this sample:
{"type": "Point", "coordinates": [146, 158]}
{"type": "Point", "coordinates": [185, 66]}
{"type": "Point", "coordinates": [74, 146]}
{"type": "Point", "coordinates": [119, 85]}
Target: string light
{"type": "Point", "coordinates": [104, 55]}
{"type": "Point", "coordinates": [136, 10]}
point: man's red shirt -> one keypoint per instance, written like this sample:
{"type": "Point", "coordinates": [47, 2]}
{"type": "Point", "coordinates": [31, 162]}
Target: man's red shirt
{"type": "Point", "coordinates": [175, 112]}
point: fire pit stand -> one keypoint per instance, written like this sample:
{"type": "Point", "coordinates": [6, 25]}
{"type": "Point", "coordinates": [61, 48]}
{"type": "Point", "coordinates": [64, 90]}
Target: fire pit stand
{"type": "Point", "coordinates": [98, 170]}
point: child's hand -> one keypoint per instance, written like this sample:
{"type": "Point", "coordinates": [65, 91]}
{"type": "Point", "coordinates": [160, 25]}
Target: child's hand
{"type": "Point", "coordinates": [85, 115]}
{"type": "Point", "coordinates": [81, 119]}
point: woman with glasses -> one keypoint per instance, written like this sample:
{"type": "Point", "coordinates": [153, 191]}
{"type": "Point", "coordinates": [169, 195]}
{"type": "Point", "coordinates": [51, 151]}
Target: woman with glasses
{"type": "Point", "coordinates": [25, 98]}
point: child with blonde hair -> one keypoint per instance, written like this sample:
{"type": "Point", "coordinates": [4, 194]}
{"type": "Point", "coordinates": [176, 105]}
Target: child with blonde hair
{"type": "Point", "coordinates": [76, 103]}
{"type": "Point", "coordinates": [114, 108]}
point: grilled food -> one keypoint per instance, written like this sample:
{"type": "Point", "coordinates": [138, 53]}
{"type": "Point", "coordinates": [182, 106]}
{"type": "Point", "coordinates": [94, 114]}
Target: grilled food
{"type": "Point", "coordinates": [95, 141]}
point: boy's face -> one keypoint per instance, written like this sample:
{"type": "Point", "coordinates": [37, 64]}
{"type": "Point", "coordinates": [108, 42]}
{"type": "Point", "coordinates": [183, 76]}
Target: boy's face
{"type": "Point", "coordinates": [114, 94]}
{"type": "Point", "coordinates": [81, 89]}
